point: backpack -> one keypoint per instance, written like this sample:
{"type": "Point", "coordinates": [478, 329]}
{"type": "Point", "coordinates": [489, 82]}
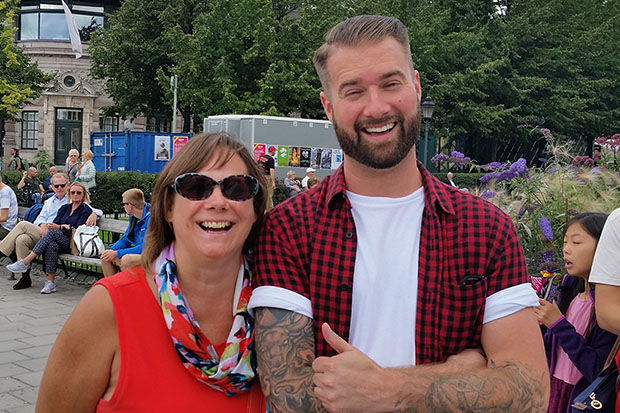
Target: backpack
{"type": "Point", "coordinates": [33, 212]}
{"type": "Point", "coordinates": [87, 241]}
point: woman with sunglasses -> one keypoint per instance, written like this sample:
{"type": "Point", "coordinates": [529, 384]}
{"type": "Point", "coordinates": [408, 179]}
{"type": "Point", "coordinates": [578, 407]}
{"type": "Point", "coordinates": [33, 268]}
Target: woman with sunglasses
{"type": "Point", "coordinates": [57, 240]}
{"type": "Point", "coordinates": [173, 334]}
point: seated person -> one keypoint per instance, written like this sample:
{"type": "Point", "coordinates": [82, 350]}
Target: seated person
{"type": "Point", "coordinates": [125, 253]}
{"type": "Point", "coordinates": [47, 183]}
{"type": "Point", "coordinates": [57, 240]}
{"type": "Point", "coordinates": [292, 186]}
{"type": "Point", "coordinates": [30, 188]}
{"type": "Point", "coordinates": [25, 235]}
{"type": "Point", "coordinates": [315, 180]}
{"type": "Point", "coordinates": [8, 209]}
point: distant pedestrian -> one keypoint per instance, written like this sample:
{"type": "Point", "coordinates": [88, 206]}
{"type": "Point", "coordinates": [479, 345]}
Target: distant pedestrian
{"type": "Point", "coordinates": [268, 163]}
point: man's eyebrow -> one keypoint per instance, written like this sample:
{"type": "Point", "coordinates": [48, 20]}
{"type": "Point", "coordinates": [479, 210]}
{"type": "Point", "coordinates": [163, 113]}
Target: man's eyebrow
{"type": "Point", "coordinates": [353, 82]}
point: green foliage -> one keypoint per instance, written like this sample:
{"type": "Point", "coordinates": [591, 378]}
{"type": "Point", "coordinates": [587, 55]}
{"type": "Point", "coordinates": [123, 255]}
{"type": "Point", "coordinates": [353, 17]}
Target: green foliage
{"type": "Point", "coordinates": [20, 80]}
{"type": "Point", "coordinates": [557, 192]}
{"type": "Point", "coordinates": [42, 160]}
{"type": "Point", "coordinates": [111, 185]}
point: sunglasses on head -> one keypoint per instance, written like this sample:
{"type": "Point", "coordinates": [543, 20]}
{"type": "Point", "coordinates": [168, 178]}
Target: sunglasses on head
{"type": "Point", "coordinates": [195, 186]}
{"type": "Point", "coordinates": [59, 185]}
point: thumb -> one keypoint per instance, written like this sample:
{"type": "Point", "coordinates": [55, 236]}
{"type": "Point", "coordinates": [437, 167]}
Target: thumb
{"type": "Point", "coordinates": [334, 340]}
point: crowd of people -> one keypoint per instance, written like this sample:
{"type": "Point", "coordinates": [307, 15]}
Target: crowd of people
{"type": "Point", "coordinates": [381, 289]}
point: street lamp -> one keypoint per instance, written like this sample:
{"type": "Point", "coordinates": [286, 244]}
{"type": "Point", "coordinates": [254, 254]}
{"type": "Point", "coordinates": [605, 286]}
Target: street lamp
{"type": "Point", "coordinates": [427, 115]}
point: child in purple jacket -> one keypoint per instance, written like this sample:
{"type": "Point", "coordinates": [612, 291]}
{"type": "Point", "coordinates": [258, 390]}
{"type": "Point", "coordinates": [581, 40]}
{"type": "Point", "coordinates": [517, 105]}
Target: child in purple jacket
{"type": "Point", "coordinates": [576, 346]}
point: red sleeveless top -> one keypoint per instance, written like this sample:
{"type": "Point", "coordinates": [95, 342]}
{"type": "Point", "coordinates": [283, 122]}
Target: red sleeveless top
{"type": "Point", "coordinates": [151, 376]}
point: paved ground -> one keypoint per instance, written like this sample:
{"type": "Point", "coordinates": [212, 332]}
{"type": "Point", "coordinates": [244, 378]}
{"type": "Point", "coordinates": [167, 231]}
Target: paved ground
{"type": "Point", "coordinates": [29, 323]}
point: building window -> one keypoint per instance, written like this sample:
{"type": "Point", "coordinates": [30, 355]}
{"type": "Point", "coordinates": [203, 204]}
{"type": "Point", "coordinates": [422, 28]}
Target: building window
{"type": "Point", "coordinates": [30, 129]}
{"type": "Point", "coordinates": [69, 114]}
{"type": "Point", "coordinates": [108, 123]}
{"type": "Point", "coordinates": [158, 124]}
{"type": "Point", "coordinates": [45, 19]}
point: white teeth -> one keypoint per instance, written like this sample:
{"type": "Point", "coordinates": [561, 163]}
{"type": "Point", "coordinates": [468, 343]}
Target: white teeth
{"type": "Point", "coordinates": [380, 129]}
{"type": "Point", "coordinates": [215, 225]}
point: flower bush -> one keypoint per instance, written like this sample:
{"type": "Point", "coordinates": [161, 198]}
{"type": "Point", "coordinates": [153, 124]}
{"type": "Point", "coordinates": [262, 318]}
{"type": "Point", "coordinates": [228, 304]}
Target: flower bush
{"type": "Point", "coordinates": [541, 200]}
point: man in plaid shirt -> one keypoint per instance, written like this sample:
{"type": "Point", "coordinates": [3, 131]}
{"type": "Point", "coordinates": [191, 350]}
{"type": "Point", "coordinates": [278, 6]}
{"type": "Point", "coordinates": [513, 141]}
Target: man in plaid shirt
{"type": "Point", "coordinates": [425, 287]}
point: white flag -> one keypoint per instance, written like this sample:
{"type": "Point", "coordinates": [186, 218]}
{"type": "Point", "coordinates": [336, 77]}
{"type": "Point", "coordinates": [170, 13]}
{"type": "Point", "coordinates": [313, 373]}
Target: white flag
{"type": "Point", "coordinates": [74, 35]}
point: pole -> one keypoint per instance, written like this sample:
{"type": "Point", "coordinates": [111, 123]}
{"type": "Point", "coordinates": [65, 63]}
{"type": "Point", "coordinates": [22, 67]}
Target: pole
{"type": "Point", "coordinates": [173, 84]}
{"type": "Point", "coordinates": [425, 142]}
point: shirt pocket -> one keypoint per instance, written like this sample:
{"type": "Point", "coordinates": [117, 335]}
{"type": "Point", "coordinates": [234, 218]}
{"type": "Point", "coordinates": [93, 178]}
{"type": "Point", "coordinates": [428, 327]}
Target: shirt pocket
{"type": "Point", "coordinates": [461, 312]}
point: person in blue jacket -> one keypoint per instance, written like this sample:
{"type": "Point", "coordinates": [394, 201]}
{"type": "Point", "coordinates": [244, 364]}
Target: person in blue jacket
{"type": "Point", "coordinates": [575, 344]}
{"type": "Point", "coordinates": [125, 253]}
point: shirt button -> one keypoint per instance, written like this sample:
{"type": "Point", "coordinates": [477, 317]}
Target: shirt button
{"type": "Point", "coordinates": [349, 235]}
{"type": "Point", "coordinates": [343, 288]}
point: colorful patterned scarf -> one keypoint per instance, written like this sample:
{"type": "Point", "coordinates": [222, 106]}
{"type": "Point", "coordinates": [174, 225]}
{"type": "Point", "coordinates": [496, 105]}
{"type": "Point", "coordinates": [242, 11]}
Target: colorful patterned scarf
{"type": "Point", "coordinates": [233, 373]}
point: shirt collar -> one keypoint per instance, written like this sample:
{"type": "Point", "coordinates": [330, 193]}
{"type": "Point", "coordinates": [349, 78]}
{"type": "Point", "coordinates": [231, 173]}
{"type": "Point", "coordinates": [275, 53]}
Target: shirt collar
{"type": "Point", "coordinates": [436, 194]}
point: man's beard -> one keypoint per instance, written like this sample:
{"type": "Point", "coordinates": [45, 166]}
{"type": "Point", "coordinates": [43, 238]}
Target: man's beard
{"type": "Point", "coordinates": [382, 155]}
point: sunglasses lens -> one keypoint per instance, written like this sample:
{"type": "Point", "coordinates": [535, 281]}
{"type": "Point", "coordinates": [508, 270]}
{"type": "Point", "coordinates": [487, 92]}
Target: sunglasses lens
{"type": "Point", "coordinates": [194, 187]}
{"type": "Point", "coordinates": [239, 187]}
{"type": "Point", "coordinates": [60, 186]}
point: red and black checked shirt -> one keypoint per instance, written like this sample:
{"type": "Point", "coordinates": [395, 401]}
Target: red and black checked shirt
{"type": "Point", "coordinates": [308, 246]}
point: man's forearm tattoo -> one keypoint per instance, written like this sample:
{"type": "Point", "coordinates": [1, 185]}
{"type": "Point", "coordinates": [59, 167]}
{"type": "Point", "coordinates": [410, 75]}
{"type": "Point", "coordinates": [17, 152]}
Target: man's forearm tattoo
{"type": "Point", "coordinates": [285, 352]}
{"type": "Point", "coordinates": [514, 390]}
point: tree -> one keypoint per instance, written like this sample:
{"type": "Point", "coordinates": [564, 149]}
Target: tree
{"type": "Point", "coordinates": [21, 81]}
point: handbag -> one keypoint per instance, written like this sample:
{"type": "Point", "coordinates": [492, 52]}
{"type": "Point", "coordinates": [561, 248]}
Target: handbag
{"type": "Point", "coordinates": [87, 241]}
{"type": "Point", "coordinates": [600, 395]}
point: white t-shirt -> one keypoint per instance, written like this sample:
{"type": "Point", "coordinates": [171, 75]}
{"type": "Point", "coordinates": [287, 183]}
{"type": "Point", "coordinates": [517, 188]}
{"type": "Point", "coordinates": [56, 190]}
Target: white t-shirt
{"type": "Point", "coordinates": [385, 281]}
{"type": "Point", "coordinates": [8, 200]}
{"type": "Point", "coordinates": [606, 264]}
{"type": "Point", "coordinates": [304, 182]}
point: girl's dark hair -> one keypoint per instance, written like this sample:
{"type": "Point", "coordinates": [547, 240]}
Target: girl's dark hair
{"type": "Point", "coordinates": [592, 223]}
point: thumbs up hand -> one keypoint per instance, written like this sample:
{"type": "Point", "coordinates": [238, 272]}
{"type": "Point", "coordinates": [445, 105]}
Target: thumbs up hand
{"type": "Point", "coordinates": [349, 381]}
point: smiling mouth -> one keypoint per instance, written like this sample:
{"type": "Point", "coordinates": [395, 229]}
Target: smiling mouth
{"type": "Point", "coordinates": [215, 226]}
{"type": "Point", "coordinates": [380, 129]}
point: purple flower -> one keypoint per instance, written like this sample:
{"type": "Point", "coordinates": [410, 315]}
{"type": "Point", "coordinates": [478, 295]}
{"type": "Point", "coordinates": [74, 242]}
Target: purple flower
{"type": "Point", "coordinates": [521, 211]}
{"type": "Point", "coordinates": [493, 166]}
{"type": "Point", "coordinates": [488, 194]}
{"type": "Point", "coordinates": [440, 157]}
{"type": "Point", "coordinates": [457, 154]}
{"type": "Point", "coordinates": [488, 177]}
{"type": "Point", "coordinates": [545, 131]}
{"type": "Point", "coordinates": [545, 225]}
{"type": "Point", "coordinates": [546, 256]}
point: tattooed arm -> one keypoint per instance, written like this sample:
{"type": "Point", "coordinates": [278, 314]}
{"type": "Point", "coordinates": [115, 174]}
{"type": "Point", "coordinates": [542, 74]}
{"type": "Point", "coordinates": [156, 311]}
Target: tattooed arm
{"type": "Point", "coordinates": [285, 352]}
{"type": "Point", "coordinates": [514, 379]}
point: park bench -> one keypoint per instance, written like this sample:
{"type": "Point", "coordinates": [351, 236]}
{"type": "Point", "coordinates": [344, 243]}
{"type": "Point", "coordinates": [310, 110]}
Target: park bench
{"type": "Point", "coordinates": [80, 268]}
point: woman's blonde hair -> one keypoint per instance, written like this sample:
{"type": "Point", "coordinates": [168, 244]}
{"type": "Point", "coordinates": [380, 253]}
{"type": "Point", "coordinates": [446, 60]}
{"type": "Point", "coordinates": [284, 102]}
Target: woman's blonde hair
{"type": "Point", "coordinates": [87, 155]}
{"type": "Point", "coordinates": [199, 150]}
{"type": "Point", "coordinates": [85, 197]}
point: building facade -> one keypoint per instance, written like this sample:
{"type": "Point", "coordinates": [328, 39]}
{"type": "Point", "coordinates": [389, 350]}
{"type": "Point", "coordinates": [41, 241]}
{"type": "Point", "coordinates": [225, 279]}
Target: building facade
{"type": "Point", "coordinates": [72, 104]}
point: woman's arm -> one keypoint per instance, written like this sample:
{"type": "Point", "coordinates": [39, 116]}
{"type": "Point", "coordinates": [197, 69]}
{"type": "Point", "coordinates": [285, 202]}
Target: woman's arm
{"type": "Point", "coordinates": [78, 369]}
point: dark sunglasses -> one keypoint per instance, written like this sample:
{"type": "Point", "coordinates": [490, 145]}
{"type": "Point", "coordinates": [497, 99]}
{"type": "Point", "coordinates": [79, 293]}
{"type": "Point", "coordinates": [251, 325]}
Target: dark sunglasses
{"type": "Point", "coordinates": [76, 192]}
{"type": "Point", "coordinates": [59, 185]}
{"type": "Point", "coordinates": [195, 186]}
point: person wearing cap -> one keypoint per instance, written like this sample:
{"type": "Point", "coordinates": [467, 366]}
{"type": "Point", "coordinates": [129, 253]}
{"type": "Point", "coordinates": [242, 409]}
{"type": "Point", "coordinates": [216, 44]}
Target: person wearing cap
{"type": "Point", "coordinates": [125, 253]}
{"type": "Point", "coordinates": [268, 163]}
{"type": "Point", "coordinates": [309, 174]}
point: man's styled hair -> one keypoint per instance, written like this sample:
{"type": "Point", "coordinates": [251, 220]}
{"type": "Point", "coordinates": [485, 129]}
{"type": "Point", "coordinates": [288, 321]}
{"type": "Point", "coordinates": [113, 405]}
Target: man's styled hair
{"type": "Point", "coordinates": [135, 197]}
{"type": "Point", "coordinates": [357, 30]}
